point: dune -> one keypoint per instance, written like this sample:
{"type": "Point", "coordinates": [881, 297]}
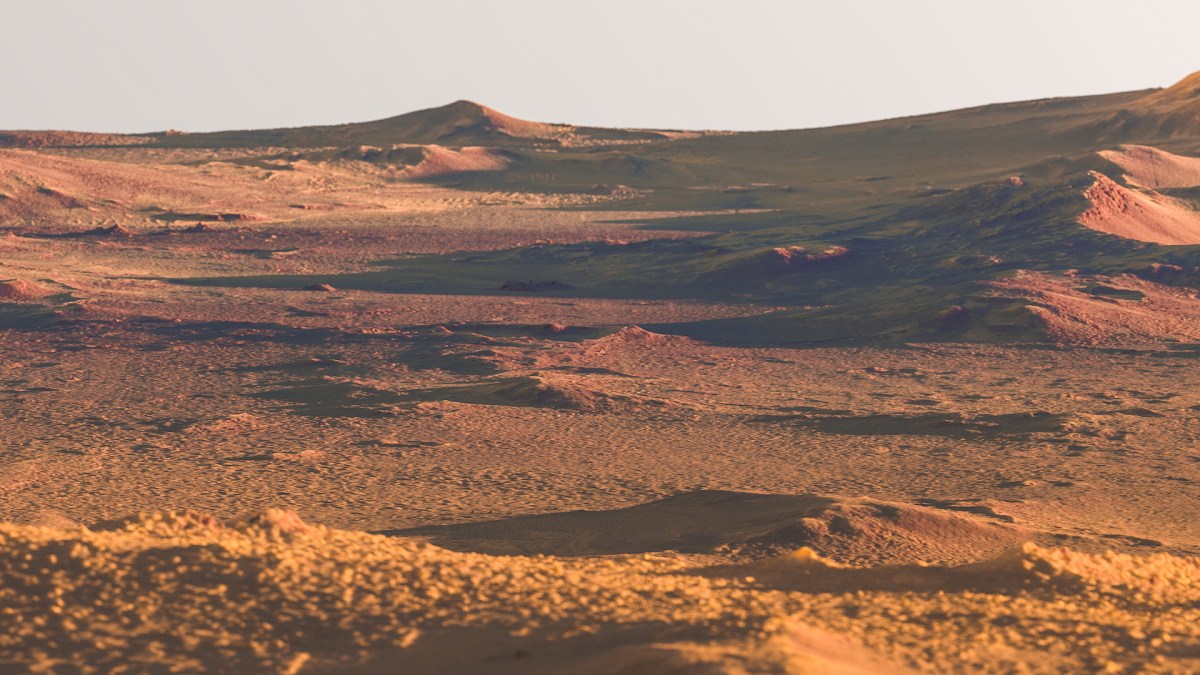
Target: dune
{"type": "Point", "coordinates": [1144, 216]}
{"type": "Point", "coordinates": [745, 524]}
{"type": "Point", "coordinates": [440, 161]}
{"type": "Point", "coordinates": [1149, 167]}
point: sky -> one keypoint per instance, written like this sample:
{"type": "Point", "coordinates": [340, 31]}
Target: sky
{"type": "Point", "coordinates": [148, 65]}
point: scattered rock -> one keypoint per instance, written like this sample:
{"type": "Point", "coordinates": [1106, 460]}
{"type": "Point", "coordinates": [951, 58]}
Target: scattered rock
{"type": "Point", "coordinates": [302, 456]}
{"type": "Point", "coordinates": [114, 230]}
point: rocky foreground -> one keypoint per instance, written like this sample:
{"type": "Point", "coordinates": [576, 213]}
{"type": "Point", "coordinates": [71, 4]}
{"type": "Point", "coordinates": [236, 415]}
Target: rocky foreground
{"type": "Point", "coordinates": [182, 592]}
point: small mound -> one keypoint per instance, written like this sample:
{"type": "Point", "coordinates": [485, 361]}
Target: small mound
{"type": "Point", "coordinates": [440, 161]}
{"type": "Point", "coordinates": [773, 261]}
{"type": "Point", "coordinates": [323, 288]}
{"type": "Point", "coordinates": [1142, 216]}
{"type": "Point", "coordinates": [20, 290]}
{"type": "Point", "coordinates": [1025, 567]}
{"type": "Point", "coordinates": [743, 524]}
{"type": "Point", "coordinates": [636, 338]}
{"type": "Point", "coordinates": [1149, 167]}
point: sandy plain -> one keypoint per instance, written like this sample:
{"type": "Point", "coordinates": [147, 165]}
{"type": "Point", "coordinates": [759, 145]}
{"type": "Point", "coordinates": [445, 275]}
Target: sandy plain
{"type": "Point", "coordinates": [480, 423]}
{"type": "Point", "coordinates": [216, 458]}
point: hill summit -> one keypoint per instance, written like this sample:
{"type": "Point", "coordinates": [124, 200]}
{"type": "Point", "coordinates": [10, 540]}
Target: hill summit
{"type": "Point", "coordinates": [459, 124]}
{"type": "Point", "coordinates": [1187, 89]}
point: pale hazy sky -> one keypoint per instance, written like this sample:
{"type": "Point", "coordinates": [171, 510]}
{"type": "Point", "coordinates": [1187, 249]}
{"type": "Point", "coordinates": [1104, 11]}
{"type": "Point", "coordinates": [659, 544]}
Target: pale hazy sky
{"type": "Point", "coordinates": [143, 65]}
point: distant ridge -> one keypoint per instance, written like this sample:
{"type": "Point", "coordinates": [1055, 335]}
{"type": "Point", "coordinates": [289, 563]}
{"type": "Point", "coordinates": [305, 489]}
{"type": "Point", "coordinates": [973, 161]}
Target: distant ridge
{"type": "Point", "coordinates": [458, 124]}
{"type": "Point", "coordinates": [1129, 117]}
